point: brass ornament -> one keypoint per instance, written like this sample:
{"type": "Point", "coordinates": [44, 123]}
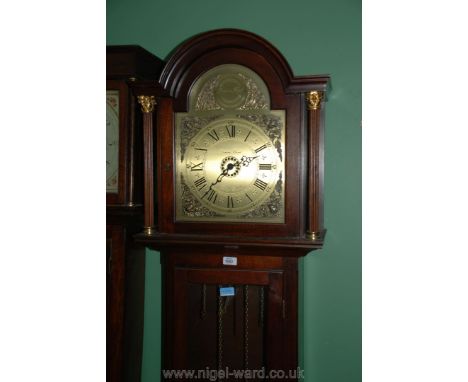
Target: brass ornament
{"type": "Point", "coordinates": [149, 231]}
{"type": "Point", "coordinates": [313, 235]}
{"type": "Point", "coordinates": [314, 99]}
{"type": "Point", "coordinates": [190, 126]}
{"type": "Point", "coordinates": [147, 103]}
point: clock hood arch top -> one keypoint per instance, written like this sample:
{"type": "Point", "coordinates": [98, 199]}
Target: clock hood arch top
{"type": "Point", "coordinates": [234, 46]}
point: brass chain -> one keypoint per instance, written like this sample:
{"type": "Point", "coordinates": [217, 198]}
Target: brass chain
{"type": "Point", "coordinates": [222, 308]}
{"type": "Point", "coordinates": [246, 327]}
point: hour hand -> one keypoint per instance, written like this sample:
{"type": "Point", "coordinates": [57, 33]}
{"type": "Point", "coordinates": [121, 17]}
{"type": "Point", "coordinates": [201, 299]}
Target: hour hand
{"type": "Point", "coordinates": [245, 161]}
{"type": "Point", "coordinates": [221, 176]}
{"type": "Point", "coordinates": [218, 179]}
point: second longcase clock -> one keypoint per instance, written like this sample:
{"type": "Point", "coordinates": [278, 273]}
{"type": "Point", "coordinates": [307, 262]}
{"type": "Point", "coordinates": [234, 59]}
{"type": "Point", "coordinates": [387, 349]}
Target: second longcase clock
{"type": "Point", "coordinates": [238, 148]}
{"type": "Point", "coordinates": [124, 210]}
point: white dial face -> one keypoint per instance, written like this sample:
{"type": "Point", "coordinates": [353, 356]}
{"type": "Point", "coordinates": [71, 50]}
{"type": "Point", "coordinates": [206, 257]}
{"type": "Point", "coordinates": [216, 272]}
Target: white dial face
{"type": "Point", "coordinates": [232, 168]}
{"type": "Point", "coordinates": [112, 141]}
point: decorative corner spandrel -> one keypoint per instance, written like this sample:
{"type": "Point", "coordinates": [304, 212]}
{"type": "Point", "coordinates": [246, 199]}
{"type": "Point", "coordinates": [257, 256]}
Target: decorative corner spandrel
{"type": "Point", "coordinates": [314, 99]}
{"type": "Point", "coordinates": [147, 103]}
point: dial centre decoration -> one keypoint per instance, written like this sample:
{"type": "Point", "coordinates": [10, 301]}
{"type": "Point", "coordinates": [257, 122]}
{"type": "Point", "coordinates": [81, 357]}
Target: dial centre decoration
{"type": "Point", "coordinates": [231, 166]}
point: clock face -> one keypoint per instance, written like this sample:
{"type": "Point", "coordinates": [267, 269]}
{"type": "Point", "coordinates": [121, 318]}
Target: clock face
{"type": "Point", "coordinates": [230, 150]}
{"type": "Point", "coordinates": [112, 141]}
{"type": "Point", "coordinates": [231, 167]}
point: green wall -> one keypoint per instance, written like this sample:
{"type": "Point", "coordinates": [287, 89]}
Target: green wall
{"type": "Point", "coordinates": [316, 37]}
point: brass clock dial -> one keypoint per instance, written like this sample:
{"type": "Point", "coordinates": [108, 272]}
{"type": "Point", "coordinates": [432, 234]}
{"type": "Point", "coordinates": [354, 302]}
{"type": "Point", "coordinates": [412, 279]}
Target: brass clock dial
{"type": "Point", "coordinates": [230, 170]}
{"type": "Point", "coordinates": [231, 167]}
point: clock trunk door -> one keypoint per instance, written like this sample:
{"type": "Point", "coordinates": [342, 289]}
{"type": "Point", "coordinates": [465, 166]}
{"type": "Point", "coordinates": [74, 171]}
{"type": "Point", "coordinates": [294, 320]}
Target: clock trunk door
{"type": "Point", "coordinates": [227, 320]}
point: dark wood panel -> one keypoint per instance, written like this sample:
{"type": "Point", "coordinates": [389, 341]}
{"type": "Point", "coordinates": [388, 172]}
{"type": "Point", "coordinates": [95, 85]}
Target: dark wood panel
{"type": "Point", "coordinates": [134, 308]}
{"type": "Point", "coordinates": [115, 301]}
{"type": "Point", "coordinates": [291, 246]}
{"type": "Point", "coordinates": [180, 317]}
{"type": "Point", "coordinates": [213, 258]}
{"type": "Point", "coordinates": [217, 276]}
{"type": "Point", "coordinates": [125, 302]}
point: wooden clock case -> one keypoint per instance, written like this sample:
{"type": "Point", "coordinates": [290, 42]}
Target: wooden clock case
{"type": "Point", "coordinates": [193, 253]}
{"type": "Point", "coordinates": [124, 217]}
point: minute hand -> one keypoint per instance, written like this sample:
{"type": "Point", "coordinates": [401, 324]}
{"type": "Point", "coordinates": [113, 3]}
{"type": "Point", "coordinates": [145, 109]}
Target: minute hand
{"type": "Point", "coordinates": [245, 161]}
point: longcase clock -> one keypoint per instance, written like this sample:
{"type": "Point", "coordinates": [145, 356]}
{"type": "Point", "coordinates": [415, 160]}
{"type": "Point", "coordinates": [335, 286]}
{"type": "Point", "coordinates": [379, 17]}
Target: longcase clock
{"type": "Point", "coordinates": [124, 210]}
{"type": "Point", "coordinates": [235, 197]}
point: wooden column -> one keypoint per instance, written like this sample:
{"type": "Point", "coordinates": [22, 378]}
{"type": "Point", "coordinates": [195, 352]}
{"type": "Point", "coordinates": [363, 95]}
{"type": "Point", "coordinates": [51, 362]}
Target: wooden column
{"type": "Point", "coordinates": [147, 107]}
{"type": "Point", "coordinates": [315, 165]}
